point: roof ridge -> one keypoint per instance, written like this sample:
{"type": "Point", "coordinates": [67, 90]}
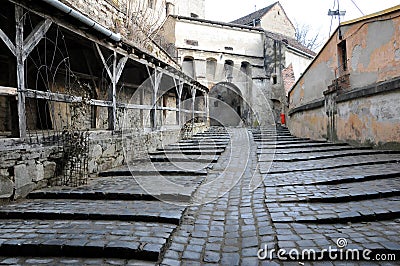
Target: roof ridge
{"type": "Point", "coordinates": [254, 15]}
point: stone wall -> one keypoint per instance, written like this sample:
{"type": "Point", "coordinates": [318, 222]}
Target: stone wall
{"type": "Point", "coordinates": [25, 167]}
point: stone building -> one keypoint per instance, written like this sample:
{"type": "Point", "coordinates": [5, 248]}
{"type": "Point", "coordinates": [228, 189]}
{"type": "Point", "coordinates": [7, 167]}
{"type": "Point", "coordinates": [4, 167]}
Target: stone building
{"type": "Point", "coordinates": [82, 84]}
{"type": "Point", "coordinates": [350, 92]}
{"type": "Point", "coordinates": [240, 62]}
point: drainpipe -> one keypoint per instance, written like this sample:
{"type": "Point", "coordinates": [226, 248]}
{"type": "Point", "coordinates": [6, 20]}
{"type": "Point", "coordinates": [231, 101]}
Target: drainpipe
{"type": "Point", "coordinates": [85, 20]}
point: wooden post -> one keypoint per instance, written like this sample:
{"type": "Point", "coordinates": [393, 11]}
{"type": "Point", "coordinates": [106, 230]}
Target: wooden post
{"type": "Point", "coordinates": [193, 104]}
{"type": "Point", "coordinates": [19, 52]}
{"type": "Point", "coordinates": [112, 112]}
{"type": "Point", "coordinates": [115, 76]}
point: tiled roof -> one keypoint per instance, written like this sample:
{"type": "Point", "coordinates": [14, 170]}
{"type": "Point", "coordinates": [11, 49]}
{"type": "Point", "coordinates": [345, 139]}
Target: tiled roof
{"type": "Point", "coordinates": [248, 20]}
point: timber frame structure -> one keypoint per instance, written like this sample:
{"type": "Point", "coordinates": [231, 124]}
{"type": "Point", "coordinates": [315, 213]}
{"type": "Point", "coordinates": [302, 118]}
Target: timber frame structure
{"type": "Point", "coordinates": [121, 53]}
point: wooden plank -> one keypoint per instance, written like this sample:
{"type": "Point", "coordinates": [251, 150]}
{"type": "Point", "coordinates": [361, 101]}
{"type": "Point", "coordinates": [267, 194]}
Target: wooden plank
{"type": "Point", "coordinates": [120, 68]}
{"type": "Point", "coordinates": [19, 52]}
{"type": "Point", "coordinates": [36, 35]}
{"type": "Point", "coordinates": [7, 41]}
{"type": "Point", "coordinates": [52, 96]}
{"type": "Point", "coordinates": [100, 103]}
{"type": "Point", "coordinates": [104, 61]}
{"type": "Point", "coordinates": [8, 91]}
{"type": "Point", "coordinates": [134, 106]}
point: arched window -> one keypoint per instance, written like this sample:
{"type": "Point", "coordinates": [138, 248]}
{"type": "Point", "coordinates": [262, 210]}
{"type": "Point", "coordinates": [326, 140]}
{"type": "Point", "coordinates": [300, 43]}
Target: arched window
{"type": "Point", "coordinates": [228, 68]}
{"type": "Point", "coordinates": [188, 66]}
{"type": "Point", "coordinates": [211, 68]}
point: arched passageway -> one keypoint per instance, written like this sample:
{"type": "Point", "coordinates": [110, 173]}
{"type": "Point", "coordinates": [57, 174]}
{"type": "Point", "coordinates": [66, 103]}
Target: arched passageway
{"type": "Point", "coordinates": [227, 107]}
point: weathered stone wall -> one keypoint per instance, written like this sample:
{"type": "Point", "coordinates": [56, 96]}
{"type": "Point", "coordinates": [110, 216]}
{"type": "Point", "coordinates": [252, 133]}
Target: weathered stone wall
{"type": "Point", "coordinates": [371, 120]}
{"type": "Point", "coordinates": [25, 167]}
{"type": "Point", "coordinates": [359, 95]}
{"type": "Point", "coordinates": [113, 15]}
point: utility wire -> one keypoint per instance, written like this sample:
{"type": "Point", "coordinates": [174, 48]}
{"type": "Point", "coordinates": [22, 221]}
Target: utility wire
{"type": "Point", "coordinates": [357, 7]}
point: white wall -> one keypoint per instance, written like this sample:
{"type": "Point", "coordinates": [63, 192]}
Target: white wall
{"type": "Point", "coordinates": [216, 38]}
{"type": "Point", "coordinates": [299, 63]}
{"type": "Point", "coordinates": [276, 21]}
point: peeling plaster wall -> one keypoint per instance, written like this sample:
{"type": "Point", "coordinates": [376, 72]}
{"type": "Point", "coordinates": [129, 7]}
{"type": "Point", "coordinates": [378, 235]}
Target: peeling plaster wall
{"type": "Point", "coordinates": [312, 124]}
{"type": "Point", "coordinates": [371, 121]}
{"type": "Point", "coordinates": [373, 70]}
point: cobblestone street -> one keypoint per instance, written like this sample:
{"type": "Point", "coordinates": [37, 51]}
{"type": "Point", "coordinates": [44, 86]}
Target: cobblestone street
{"type": "Point", "coordinates": [216, 199]}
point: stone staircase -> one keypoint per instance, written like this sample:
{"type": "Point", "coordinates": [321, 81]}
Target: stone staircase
{"type": "Point", "coordinates": [125, 216]}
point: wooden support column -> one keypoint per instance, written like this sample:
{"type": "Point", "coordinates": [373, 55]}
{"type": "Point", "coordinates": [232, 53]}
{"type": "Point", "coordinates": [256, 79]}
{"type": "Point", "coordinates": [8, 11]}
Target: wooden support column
{"type": "Point", "coordinates": [21, 50]}
{"type": "Point", "coordinates": [193, 91]}
{"type": "Point", "coordinates": [179, 90]}
{"type": "Point", "coordinates": [114, 75]}
{"type": "Point", "coordinates": [155, 82]}
{"type": "Point", "coordinates": [19, 53]}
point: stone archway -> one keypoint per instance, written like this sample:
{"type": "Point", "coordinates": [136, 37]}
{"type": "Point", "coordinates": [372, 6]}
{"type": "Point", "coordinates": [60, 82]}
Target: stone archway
{"type": "Point", "coordinates": [226, 105]}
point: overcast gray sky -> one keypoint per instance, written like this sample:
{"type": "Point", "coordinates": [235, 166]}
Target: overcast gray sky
{"type": "Point", "coordinates": [311, 12]}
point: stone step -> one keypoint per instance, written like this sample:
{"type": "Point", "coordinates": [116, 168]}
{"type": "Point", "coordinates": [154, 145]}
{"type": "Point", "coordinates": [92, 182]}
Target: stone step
{"type": "Point", "coordinates": [323, 164]}
{"type": "Point", "coordinates": [318, 156]}
{"type": "Point", "coordinates": [71, 261]}
{"type": "Point", "coordinates": [193, 147]}
{"type": "Point", "coordinates": [172, 170]}
{"type": "Point", "coordinates": [106, 239]}
{"type": "Point", "coordinates": [188, 152]}
{"type": "Point", "coordinates": [295, 142]}
{"type": "Point", "coordinates": [110, 210]}
{"type": "Point", "coordinates": [340, 175]}
{"type": "Point", "coordinates": [354, 211]}
{"type": "Point", "coordinates": [177, 189]}
{"type": "Point", "coordinates": [184, 158]}
{"type": "Point", "coordinates": [326, 150]}
{"type": "Point", "coordinates": [342, 192]}
{"type": "Point", "coordinates": [303, 145]}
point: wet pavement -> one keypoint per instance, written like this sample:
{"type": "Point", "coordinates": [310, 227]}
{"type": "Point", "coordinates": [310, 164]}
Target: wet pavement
{"type": "Point", "coordinates": [218, 199]}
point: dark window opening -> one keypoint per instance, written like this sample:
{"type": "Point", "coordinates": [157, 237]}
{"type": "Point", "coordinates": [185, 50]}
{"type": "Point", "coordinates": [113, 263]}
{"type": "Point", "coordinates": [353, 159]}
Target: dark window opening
{"type": "Point", "coordinates": [274, 79]}
{"type": "Point", "coordinates": [342, 52]}
{"type": "Point", "coordinates": [228, 48]}
{"type": "Point", "coordinates": [194, 15]}
{"type": "Point", "coordinates": [192, 42]}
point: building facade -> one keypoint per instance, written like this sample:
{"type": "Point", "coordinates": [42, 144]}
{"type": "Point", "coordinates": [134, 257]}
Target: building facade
{"type": "Point", "coordinates": [240, 62]}
{"type": "Point", "coordinates": [350, 92]}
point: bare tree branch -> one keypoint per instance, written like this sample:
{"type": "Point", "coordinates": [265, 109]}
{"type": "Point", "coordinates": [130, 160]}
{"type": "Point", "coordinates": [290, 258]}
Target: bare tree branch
{"type": "Point", "coordinates": [305, 37]}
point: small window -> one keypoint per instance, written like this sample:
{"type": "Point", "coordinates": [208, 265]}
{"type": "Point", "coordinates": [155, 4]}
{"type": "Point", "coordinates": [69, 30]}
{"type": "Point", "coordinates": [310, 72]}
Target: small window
{"type": "Point", "coordinates": [228, 48]}
{"type": "Point", "coordinates": [274, 79]}
{"type": "Point", "coordinates": [194, 15]}
{"type": "Point", "coordinates": [192, 42]}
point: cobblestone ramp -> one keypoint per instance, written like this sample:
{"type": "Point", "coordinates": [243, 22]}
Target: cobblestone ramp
{"type": "Point", "coordinates": [317, 193]}
{"type": "Point", "coordinates": [113, 220]}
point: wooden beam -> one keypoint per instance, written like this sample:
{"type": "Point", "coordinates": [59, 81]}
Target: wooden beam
{"type": "Point", "coordinates": [52, 96]}
{"type": "Point", "coordinates": [8, 91]}
{"type": "Point", "coordinates": [120, 68]}
{"type": "Point", "coordinates": [36, 35]}
{"type": "Point", "coordinates": [100, 103]}
{"type": "Point", "coordinates": [7, 41]}
{"type": "Point", "coordinates": [134, 106]}
{"type": "Point", "coordinates": [104, 61]}
{"type": "Point", "coordinates": [19, 51]}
